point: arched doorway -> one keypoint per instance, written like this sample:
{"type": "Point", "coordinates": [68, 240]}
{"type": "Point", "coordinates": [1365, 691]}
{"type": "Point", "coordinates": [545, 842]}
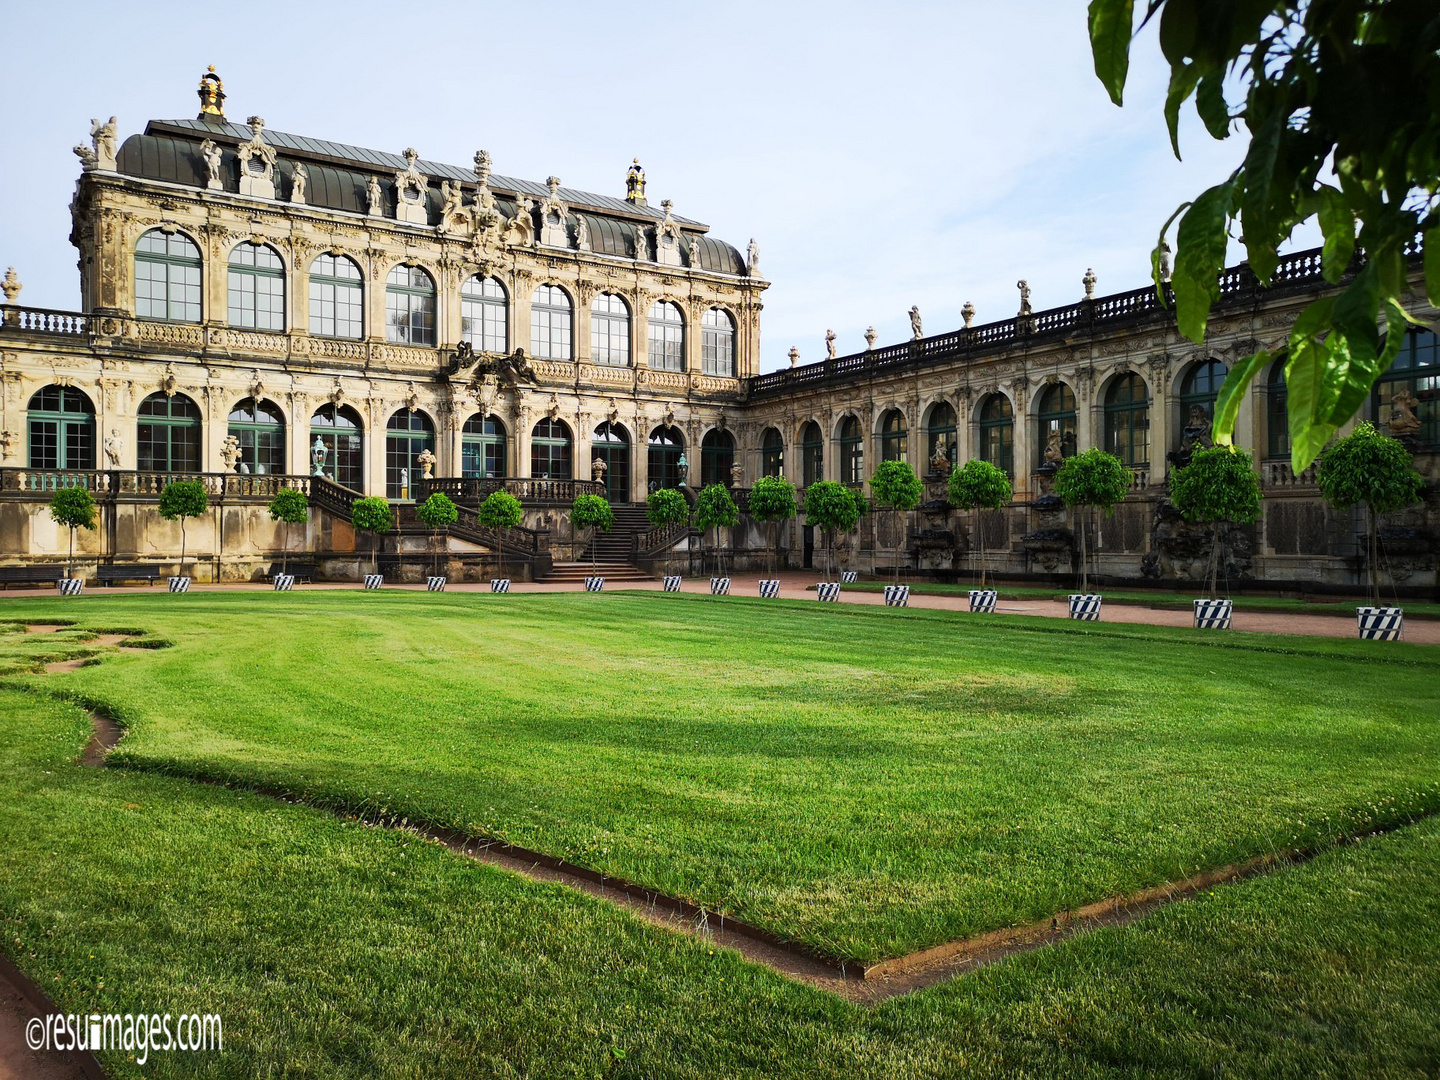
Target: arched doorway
{"type": "Point", "coordinates": [717, 456]}
{"type": "Point", "coordinates": [337, 430]}
{"type": "Point", "coordinates": [667, 450]}
{"type": "Point", "coordinates": [407, 435]}
{"type": "Point", "coordinates": [482, 447]}
{"type": "Point", "coordinates": [611, 444]}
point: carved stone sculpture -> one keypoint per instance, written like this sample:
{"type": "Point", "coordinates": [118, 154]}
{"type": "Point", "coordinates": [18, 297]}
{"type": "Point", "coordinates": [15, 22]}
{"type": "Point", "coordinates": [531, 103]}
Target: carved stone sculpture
{"type": "Point", "coordinates": [230, 452]}
{"type": "Point", "coordinates": [374, 197]}
{"type": "Point", "coordinates": [940, 460]}
{"type": "Point", "coordinates": [968, 314]}
{"type": "Point", "coordinates": [642, 243]}
{"type": "Point", "coordinates": [1024, 287]}
{"type": "Point", "coordinates": [87, 157]}
{"type": "Point", "coordinates": [114, 448]}
{"type": "Point", "coordinates": [1089, 282]}
{"type": "Point", "coordinates": [11, 286]}
{"type": "Point", "coordinates": [737, 474]}
{"type": "Point", "coordinates": [752, 259]}
{"type": "Point", "coordinates": [917, 330]}
{"type": "Point", "coordinates": [426, 460]}
{"type": "Point", "coordinates": [522, 227]}
{"type": "Point", "coordinates": [597, 469]}
{"type": "Point", "coordinates": [694, 253]}
{"type": "Point", "coordinates": [830, 344]}
{"type": "Point", "coordinates": [452, 204]}
{"type": "Point", "coordinates": [298, 179]}
{"type": "Point", "coordinates": [103, 139]}
{"type": "Point", "coordinates": [1054, 453]}
{"type": "Point", "coordinates": [794, 355]}
{"type": "Point", "coordinates": [582, 234]}
{"type": "Point", "coordinates": [410, 187]}
{"type": "Point", "coordinates": [1403, 419]}
{"type": "Point", "coordinates": [482, 166]}
{"type": "Point", "coordinates": [635, 183]}
{"type": "Point", "coordinates": [870, 337]}
{"type": "Point", "coordinates": [257, 162]}
{"type": "Point", "coordinates": [213, 157]}
{"type": "Point", "coordinates": [1164, 260]}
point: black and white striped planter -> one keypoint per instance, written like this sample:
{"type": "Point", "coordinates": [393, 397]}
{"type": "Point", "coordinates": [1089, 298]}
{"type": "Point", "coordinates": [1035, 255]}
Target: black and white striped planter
{"type": "Point", "coordinates": [500, 584]}
{"type": "Point", "coordinates": [897, 595]}
{"type": "Point", "coordinates": [672, 583]}
{"type": "Point", "coordinates": [435, 584]}
{"type": "Point", "coordinates": [1213, 614]}
{"type": "Point", "coordinates": [71, 586]}
{"type": "Point", "coordinates": [827, 590]}
{"type": "Point", "coordinates": [594, 584]}
{"type": "Point", "coordinates": [284, 582]}
{"type": "Point", "coordinates": [1381, 623]}
{"type": "Point", "coordinates": [849, 577]}
{"type": "Point", "coordinates": [983, 600]}
{"type": "Point", "coordinates": [1085, 606]}
{"type": "Point", "coordinates": [769, 589]}
{"type": "Point", "coordinates": [374, 581]}
{"type": "Point", "coordinates": [179, 584]}
{"type": "Point", "coordinates": [719, 586]}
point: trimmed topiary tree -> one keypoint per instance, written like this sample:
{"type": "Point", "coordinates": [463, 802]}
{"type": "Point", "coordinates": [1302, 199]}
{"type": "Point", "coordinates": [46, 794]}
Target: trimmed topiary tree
{"type": "Point", "coordinates": [73, 507]}
{"type": "Point", "coordinates": [666, 506]}
{"type": "Point", "coordinates": [979, 485]}
{"type": "Point", "coordinates": [435, 513]}
{"type": "Point", "coordinates": [181, 500]}
{"type": "Point", "coordinates": [896, 488]}
{"type": "Point", "coordinates": [592, 513]}
{"type": "Point", "coordinates": [831, 508]}
{"type": "Point", "coordinates": [289, 506]}
{"type": "Point", "coordinates": [715, 509]}
{"type": "Point", "coordinates": [772, 500]}
{"type": "Point", "coordinates": [1373, 470]}
{"type": "Point", "coordinates": [372, 515]}
{"type": "Point", "coordinates": [1095, 479]}
{"type": "Point", "coordinates": [1218, 486]}
{"type": "Point", "coordinates": [501, 511]}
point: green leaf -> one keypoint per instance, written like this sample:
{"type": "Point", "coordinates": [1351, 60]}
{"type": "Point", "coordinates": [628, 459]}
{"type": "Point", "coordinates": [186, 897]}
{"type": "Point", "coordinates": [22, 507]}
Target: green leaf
{"type": "Point", "coordinates": [1210, 104]}
{"type": "Point", "coordinates": [1178, 25]}
{"type": "Point", "coordinates": [1201, 240]}
{"type": "Point", "coordinates": [1432, 265]}
{"type": "Point", "coordinates": [1110, 22]}
{"type": "Point", "coordinates": [1305, 372]}
{"type": "Point", "coordinates": [1227, 402]}
{"type": "Point", "coordinates": [1155, 274]}
{"type": "Point", "coordinates": [1357, 313]}
{"type": "Point", "coordinates": [1182, 84]}
{"type": "Point", "coordinates": [1257, 212]}
{"type": "Point", "coordinates": [1337, 222]}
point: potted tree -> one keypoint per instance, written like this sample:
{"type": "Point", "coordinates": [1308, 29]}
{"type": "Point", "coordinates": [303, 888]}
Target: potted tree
{"type": "Point", "coordinates": [73, 507]}
{"type": "Point", "coordinates": [1096, 480]}
{"type": "Point", "coordinates": [896, 488]}
{"type": "Point", "coordinates": [666, 506]}
{"type": "Point", "coordinates": [435, 513]}
{"type": "Point", "coordinates": [181, 500]}
{"type": "Point", "coordinates": [290, 507]}
{"type": "Point", "coordinates": [772, 501]}
{"type": "Point", "coordinates": [372, 515]}
{"type": "Point", "coordinates": [715, 509]}
{"type": "Point", "coordinates": [1373, 470]}
{"type": "Point", "coordinates": [831, 508]}
{"type": "Point", "coordinates": [1218, 486]}
{"type": "Point", "coordinates": [979, 485]}
{"type": "Point", "coordinates": [862, 507]}
{"type": "Point", "coordinates": [500, 511]}
{"type": "Point", "coordinates": [593, 514]}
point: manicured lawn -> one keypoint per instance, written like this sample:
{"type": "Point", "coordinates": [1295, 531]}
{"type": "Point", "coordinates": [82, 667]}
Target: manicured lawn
{"type": "Point", "coordinates": [863, 781]}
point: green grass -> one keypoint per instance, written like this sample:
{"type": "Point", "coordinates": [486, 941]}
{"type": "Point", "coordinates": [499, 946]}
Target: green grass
{"type": "Point", "coordinates": [333, 949]}
{"type": "Point", "coordinates": [866, 782]}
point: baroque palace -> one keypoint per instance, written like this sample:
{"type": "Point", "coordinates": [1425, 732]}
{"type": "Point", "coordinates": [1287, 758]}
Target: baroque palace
{"type": "Point", "coordinates": [261, 309]}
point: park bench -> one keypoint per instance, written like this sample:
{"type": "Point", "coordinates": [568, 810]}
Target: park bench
{"type": "Point", "coordinates": [30, 575]}
{"type": "Point", "coordinates": [110, 574]}
{"type": "Point", "coordinates": [299, 569]}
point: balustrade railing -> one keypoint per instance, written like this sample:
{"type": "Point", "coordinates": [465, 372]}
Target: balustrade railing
{"type": "Point", "coordinates": [479, 488]}
{"type": "Point", "coordinates": [661, 538]}
{"type": "Point", "coordinates": [1280, 474]}
{"type": "Point", "coordinates": [111, 483]}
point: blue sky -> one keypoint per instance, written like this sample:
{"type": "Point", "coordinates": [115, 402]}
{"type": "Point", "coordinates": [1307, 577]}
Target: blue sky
{"type": "Point", "coordinates": [882, 155]}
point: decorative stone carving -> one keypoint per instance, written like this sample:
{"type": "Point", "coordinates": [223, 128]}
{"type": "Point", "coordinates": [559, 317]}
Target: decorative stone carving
{"type": "Point", "coordinates": [1024, 287]}
{"type": "Point", "coordinates": [11, 286]}
{"type": "Point", "coordinates": [1089, 282]}
{"type": "Point", "coordinates": [213, 156]}
{"type": "Point", "coordinates": [103, 140]}
{"type": "Point", "coordinates": [521, 232]}
{"type": "Point", "coordinates": [88, 161]}
{"type": "Point", "coordinates": [1403, 419]}
{"type": "Point", "coordinates": [917, 330]}
{"type": "Point", "coordinates": [230, 452]}
{"type": "Point", "coordinates": [114, 448]}
{"type": "Point", "coordinates": [7, 440]}
{"type": "Point", "coordinates": [337, 393]}
{"type": "Point", "coordinates": [642, 244]}
{"type": "Point", "coordinates": [412, 399]}
{"type": "Point", "coordinates": [752, 259]}
{"type": "Point", "coordinates": [256, 387]}
{"type": "Point", "coordinates": [1165, 261]}
{"type": "Point", "coordinates": [597, 469]}
{"type": "Point", "coordinates": [635, 183]}
{"type": "Point", "coordinates": [257, 162]}
{"type": "Point", "coordinates": [830, 344]}
{"type": "Point", "coordinates": [374, 197]}
{"type": "Point", "coordinates": [426, 460]}
{"type": "Point", "coordinates": [968, 314]}
{"type": "Point", "coordinates": [794, 355]}
{"type": "Point", "coordinates": [410, 188]}
{"type": "Point", "coordinates": [582, 234]}
{"type": "Point", "coordinates": [667, 238]}
{"type": "Point", "coordinates": [168, 381]}
{"type": "Point", "coordinates": [870, 337]}
{"type": "Point", "coordinates": [694, 253]}
{"type": "Point", "coordinates": [298, 179]}
{"type": "Point", "coordinates": [553, 409]}
{"type": "Point", "coordinates": [452, 207]}
{"type": "Point", "coordinates": [554, 217]}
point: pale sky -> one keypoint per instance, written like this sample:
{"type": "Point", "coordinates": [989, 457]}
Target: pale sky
{"type": "Point", "coordinates": [882, 155]}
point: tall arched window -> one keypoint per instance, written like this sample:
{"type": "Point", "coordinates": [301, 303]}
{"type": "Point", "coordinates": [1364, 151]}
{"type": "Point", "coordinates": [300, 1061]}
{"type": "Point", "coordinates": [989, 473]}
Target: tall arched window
{"type": "Point", "coordinates": [167, 277]}
{"type": "Point", "coordinates": [167, 434]}
{"type": "Point", "coordinates": [410, 306]}
{"type": "Point", "coordinates": [482, 447]}
{"type": "Point", "coordinates": [62, 429]}
{"type": "Point", "coordinates": [550, 318]}
{"type": "Point", "coordinates": [610, 331]}
{"type": "Point", "coordinates": [260, 427]}
{"type": "Point", "coordinates": [1198, 390]}
{"type": "Point", "coordinates": [256, 287]}
{"type": "Point", "coordinates": [772, 453]}
{"type": "Point", "coordinates": [1127, 420]}
{"type": "Point", "coordinates": [336, 446]}
{"type": "Point", "coordinates": [666, 451]}
{"type": "Point", "coordinates": [1056, 422]}
{"type": "Point", "coordinates": [484, 318]}
{"type": "Point", "coordinates": [611, 444]}
{"type": "Point", "coordinates": [550, 450]}
{"type": "Point", "coordinates": [667, 337]}
{"type": "Point", "coordinates": [997, 432]}
{"type": "Point", "coordinates": [1277, 416]}
{"type": "Point", "coordinates": [407, 435]}
{"type": "Point", "coordinates": [893, 441]}
{"type": "Point", "coordinates": [337, 297]}
{"type": "Point", "coordinates": [852, 452]}
{"type": "Point", "coordinates": [717, 343]}
{"type": "Point", "coordinates": [717, 456]}
{"type": "Point", "coordinates": [812, 454]}
{"type": "Point", "coordinates": [1416, 372]}
{"type": "Point", "coordinates": [940, 435]}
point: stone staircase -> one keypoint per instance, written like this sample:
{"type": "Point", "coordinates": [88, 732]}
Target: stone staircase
{"type": "Point", "coordinates": [610, 551]}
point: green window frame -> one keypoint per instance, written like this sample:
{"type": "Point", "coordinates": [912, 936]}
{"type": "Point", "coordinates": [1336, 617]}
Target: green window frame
{"type": "Point", "coordinates": [1416, 369]}
{"type": "Point", "coordinates": [997, 433]}
{"type": "Point", "coordinates": [941, 431]}
{"type": "Point", "coordinates": [894, 440]}
{"type": "Point", "coordinates": [1277, 414]}
{"type": "Point", "coordinates": [167, 434]}
{"type": "Point", "coordinates": [343, 433]}
{"type": "Point", "coordinates": [772, 453]}
{"type": "Point", "coordinates": [410, 306]}
{"type": "Point", "coordinates": [1127, 420]}
{"type": "Point", "coordinates": [255, 288]}
{"type": "Point", "coordinates": [611, 444]}
{"type": "Point", "coordinates": [717, 455]}
{"type": "Point", "coordinates": [717, 343]}
{"type": "Point", "coordinates": [337, 298]}
{"type": "Point", "coordinates": [483, 447]}
{"type": "Point", "coordinates": [667, 337]}
{"type": "Point", "coordinates": [485, 315]}
{"type": "Point", "coordinates": [1056, 417]}
{"type": "Point", "coordinates": [610, 331]}
{"type": "Point", "coordinates": [550, 450]}
{"type": "Point", "coordinates": [812, 454]}
{"type": "Point", "coordinates": [664, 453]}
{"type": "Point", "coordinates": [551, 318]}
{"type": "Point", "coordinates": [167, 277]}
{"type": "Point", "coordinates": [1198, 391]}
{"type": "Point", "coordinates": [852, 452]}
{"type": "Point", "coordinates": [260, 428]}
{"type": "Point", "coordinates": [61, 423]}
{"type": "Point", "coordinates": [407, 435]}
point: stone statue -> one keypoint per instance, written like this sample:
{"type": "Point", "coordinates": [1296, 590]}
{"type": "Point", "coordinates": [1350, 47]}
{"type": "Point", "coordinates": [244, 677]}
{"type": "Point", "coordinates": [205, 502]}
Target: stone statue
{"type": "Point", "coordinates": [582, 233]}
{"type": "Point", "coordinates": [917, 331]}
{"type": "Point", "coordinates": [230, 452]}
{"type": "Point", "coordinates": [113, 448]}
{"type": "Point", "coordinates": [1165, 260]}
{"type": "Point", "coordinates": [968, 313]}
{"type": "Point", "coordinates": [794, 355]}
{"type": "Point", "coordinates": [318, 453]}
{"type": "Point", "coordinates": [694, 252]}
{"type": "Point", "coordinates": [372, 193]}
{"type": "Point", "coordinates": [752, 259]}
{"type": "Point", "coordinates": [597, 469]}
{"type": "Point", "coordinates": [298, 179]}
{"type": "Point", "coordinates": [212, 155]}
{"type": "Point", "coordinates": [737, 474]}
{"type": "Point", "coordinates": [642, 244]}
{"type": "Point", "coordinates": [257, 162]}
{"type": "Point", "coordinates": [11, 285]}
{"type": "Point", "coordinates": [522, 226]}
{"type": "Point", "coordinates": [940, 460]}
{"type": "Point", "coordinates": [1054, 455]}
{"type": "Point", "coordinates": [482, 166]}
{"type": "Point", "coordinates": [830, 344]}
{"type": "Point", "coordinates": [426, 460]}
{"type": "Point", "coordinates": [1089, 282]}
{"type": "Point", "coordinates": [1403, 419]}
{"type": "Point", "coordinates": [102, 138]}
{"type": "Point", "coordinates": [1024, 287]}
{"type": "Point", "coordinates": [870, 336]}
{"type": "Point", "coordinates": [452, 199]}
{"type": "Point", "coordinates": [88, 161]}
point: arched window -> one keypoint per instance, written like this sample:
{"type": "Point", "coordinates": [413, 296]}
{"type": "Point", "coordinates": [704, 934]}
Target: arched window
{"type": "Point", "coordinates": [1056, 418]}
{"type": "Point", "coordinates": [997, 432]}
{"type": "Point", "coordinates": [260, 427]}
{"type": "Point", "coordinates": [256, 287]}
{"type": "Point", "coordinates": [336, 447]}
{"type": "Point", "coordinates": [772, 453]}
{"type": "Point", "coordinates": [337, 297]}
{"type": "Point", "coordinates": [611, 444]}
{"type": "Point", "coordinates": [410, 306]}
{"type": "Point", "coordinates": [550, 450]}
{"type": "Point", "coordinates": [167, 435]}
{"type": "Point", "coordinates": [482, 447]}
{"type": "Point", "coordinates": [717, 456]}
{"type": "Point", "coordinates": [717, 343]}
{"type": "Point", "coordinates": [1198, 390]}
{"type": "Point", "coordinates": [484, 318]}
{"type": "Point", "coordinates": [812, 454]}
{"type": "Point", "coordinates": [550, 317]}
{"type": "Point", "coordinates": [893, 443]}
{"type": "Point", "coordinates": [1277, 416]}
{"type": "Point", "coordinates": [407, 435]}
{"type": "Point", "coordinates": [610, 331]}
{"type": "Point", "coordinates": [666, 452]}
{"type": "Point", "coordinates": [1127, 420]}
{"type": "Point", "coordinates": [667, 337]}
{"type": "Point", "coordinates": [167, 277]}
{"type": "Point", "coordinates": [62, 429]}
{"type": "Point", "coordinates": [852, 452]}
{"type": "Point", "coordinates": [1416, 372]}
{"type": "Point", "coordinates": [940, 435]}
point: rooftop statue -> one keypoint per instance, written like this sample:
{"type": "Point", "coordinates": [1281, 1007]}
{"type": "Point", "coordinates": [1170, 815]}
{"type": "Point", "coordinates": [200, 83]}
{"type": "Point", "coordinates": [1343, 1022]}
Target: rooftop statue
{"type": "Point", "coordinates": [917, 330]}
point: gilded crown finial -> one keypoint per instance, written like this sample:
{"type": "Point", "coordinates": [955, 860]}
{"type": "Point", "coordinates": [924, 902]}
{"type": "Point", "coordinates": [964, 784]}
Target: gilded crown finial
{"type": "Point", "coordinates": [212, 95]}
{"type": "Point", "coordinates": [635, 183]}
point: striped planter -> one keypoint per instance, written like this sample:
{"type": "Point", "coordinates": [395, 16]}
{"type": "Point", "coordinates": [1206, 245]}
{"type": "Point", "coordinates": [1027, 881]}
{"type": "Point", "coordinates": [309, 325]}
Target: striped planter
{"type": "Point", "coordinates": [500, 584]}
{"type": "Point", "coordinates": [71, 586]}
{"type": "Point", "coordinates": [1212, 614]}
{"type": "Point", "coordinates": [594, 584]}
{"type": "Point", "coordinates": [1381, 623]}
{"type": "Point", "coordinates": [897, 595]}
{"type": "Point", "coordinates": [435, 584]}
{"type": "Point", "coordinates": [827, 590]}
{"type": "Point", "coordinates": [179, 584]}
{"type": "Point", "coordinates": [719, 586]}
{"type": "Point", "coordinates": [983, 600]}
{"type": "Point", "coordinates": [284, 582]}
{"type": "Point", "coordinates": [672, 584]}
{"type": "Point", "coordinates": [849, 577]}
{"type": "Point", "coordinates": [1085, 606]}
{"type": "Point", "coordinates": [374, 581]}
{"type": "Point", "coordinates": [769, 589]}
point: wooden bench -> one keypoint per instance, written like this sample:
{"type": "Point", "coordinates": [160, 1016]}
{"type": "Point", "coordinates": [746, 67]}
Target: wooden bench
{"type": "Point", "coordinates": [113, 572]}
{"type": "Point", "coordinates": [30, 575]}
{"type": "Point", "coordinates": [299, 569]}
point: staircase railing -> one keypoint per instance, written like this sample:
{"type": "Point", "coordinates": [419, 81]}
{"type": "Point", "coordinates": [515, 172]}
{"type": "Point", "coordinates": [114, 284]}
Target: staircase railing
{"type": "Point", "coordinates": [478, 488]}
{"type": "Point", "coordinates": [661, 538]}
